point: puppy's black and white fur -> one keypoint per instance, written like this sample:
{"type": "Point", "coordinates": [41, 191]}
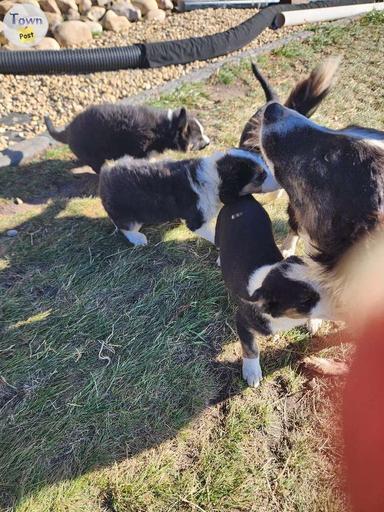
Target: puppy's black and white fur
{"type": "Point", "coordinates": [335, 183]}
{"type": "Point", "coordinates": [110, 131]}
{"type": "Point", "coordinates": [137, 192]}
{"type": "Point", "coordinates": [304, 98]}
{"type": "Point", "coordinates": [272, 294]}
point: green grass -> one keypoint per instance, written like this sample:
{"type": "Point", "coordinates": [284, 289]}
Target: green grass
{"type": "Point", "coordinates": [120, 387]}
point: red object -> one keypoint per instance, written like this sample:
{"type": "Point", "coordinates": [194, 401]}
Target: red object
{"type": "Point", "coordinates": [364, 421]}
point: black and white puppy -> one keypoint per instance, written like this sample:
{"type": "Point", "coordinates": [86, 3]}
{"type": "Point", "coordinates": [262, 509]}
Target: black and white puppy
{"type": "Point", "coordinates": [110, 131]}
{"type": "Point", "coordinates": [335, 183]}
{"type": "Point", "coordinates": [137, 192]}
{"type": "Point", "coordinates": [272, 294]}
{"type": "Point", "coordinates": [304, 98]}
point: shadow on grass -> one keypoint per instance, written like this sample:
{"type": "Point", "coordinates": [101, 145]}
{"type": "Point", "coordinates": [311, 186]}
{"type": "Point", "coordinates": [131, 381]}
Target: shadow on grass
{"type": "Point", "coordinates": [37, 183]}
{"type": "Point", "coordinates": [107, 350]}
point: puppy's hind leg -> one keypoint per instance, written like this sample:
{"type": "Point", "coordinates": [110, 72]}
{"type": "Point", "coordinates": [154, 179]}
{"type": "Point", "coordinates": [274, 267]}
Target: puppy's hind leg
{"type": "Point", "coordinates": [132, 234]}
{"type": "Point", "coordinates": [251, 359]}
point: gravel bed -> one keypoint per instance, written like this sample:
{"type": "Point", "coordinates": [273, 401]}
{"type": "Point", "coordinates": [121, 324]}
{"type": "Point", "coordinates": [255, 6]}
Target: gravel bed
{"type": "Point", "coordinates": [63, 96]}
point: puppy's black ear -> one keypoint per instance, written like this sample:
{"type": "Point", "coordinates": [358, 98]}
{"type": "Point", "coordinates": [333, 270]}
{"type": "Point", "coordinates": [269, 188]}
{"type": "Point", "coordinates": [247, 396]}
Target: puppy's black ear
{"type": "Point", "coordinates": [308, 299]}
{"type": "Point", "coordinates": [182, 120]}
{"type": "Point", "coordinates": [256, 296]}
{"type": "Point", "coordinates": [235, 174]}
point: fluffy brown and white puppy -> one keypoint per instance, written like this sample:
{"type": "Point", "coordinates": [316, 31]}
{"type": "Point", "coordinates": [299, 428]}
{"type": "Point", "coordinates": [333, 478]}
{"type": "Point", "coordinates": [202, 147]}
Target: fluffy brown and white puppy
{"type": "Point", "coordinates": [272, 294]}
{"type": "Point", "coordinates": [305, 98]}
{"type": "Point", "coordinates": [335, 183]}
{"type": "Point", "coordinates": [110, 131]}
{"type": "Point", "coordinates": [137, 192]}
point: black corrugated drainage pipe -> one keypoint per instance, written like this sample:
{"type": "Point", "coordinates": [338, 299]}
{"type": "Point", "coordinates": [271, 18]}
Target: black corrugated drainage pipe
{"type": "Point", "coordinates": [150, 55]}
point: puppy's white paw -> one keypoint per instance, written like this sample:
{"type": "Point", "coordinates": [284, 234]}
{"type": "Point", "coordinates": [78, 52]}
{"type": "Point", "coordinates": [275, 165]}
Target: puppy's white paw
{"type": "Point", "coordinates": [288, 252]}
{"type": "Point", "coordinates": [314, 325]}
{"type": "Point", "coordinates": [135, 237]}
{"type": "Point", "coordinates": [252, 371]}
{"type": "Point", "coordinates": [218, 263]}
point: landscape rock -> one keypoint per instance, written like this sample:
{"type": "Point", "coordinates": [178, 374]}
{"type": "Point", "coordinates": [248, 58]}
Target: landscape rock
{"type": "Point", "coordinates": [96, 28]}
{"type": "Point", "coordinates": [66, 5]}
{"type": "Point", "coordinates": [13, 47]}
{"type": "Point", "coordinates": [166, 5]}
{"type": "Point", "coordinates": [124, 8]}
{"type": "Point", "coordinates": [48, 43]}
{"type": "Point", "coordinates": [156, 15]}
{"type": "Point", "coordinates": [5, 5]}
{"type": "Point", "coordinates": [112, 21]}
{"type": "Point", "coordinates": [12, 232]}
{"type": "Point", "coordinates": [71, 33]}
{"type": "Point", "coordinates": [3, 39]}
{"type": "Point", "coordinates": [49, 6]}
{"type": "Point", "coordinates": [72, 14]}
{"type": "Point", "coordinates": [96, 13]}
{"type": "Point", "coordinates": [145, 5]}
{"type": "Point", "coordinates": [54, 19]}
{"type": "Point", "coordinates": [84, 6]}
{"type": "Point", "coordinates": [32, 2]}
{"type": "Point", "coordinates": [17, 200]}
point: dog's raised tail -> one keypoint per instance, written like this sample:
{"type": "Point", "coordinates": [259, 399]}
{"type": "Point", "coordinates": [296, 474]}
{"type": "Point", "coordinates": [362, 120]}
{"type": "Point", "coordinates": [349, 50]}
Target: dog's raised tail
{"type": "Point", "coordinates": [309, 93]}
{"type": "Point", "coordinates": [270, 93]}
{"type": "Point", "coordinates": [59, 135]}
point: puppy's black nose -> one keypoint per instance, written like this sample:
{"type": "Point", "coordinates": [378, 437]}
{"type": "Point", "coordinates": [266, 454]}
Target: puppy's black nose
{"type": "Point", "coordinates": [273, 112]}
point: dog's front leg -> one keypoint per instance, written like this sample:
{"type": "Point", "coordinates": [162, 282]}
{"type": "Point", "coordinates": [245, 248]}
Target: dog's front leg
{"type": "Point", "coordinates": [289, 244]}
{"type": "Point", "coordinates": [132, 234]}
{"type": "Point", "coordinates": [207, 231]}
{"type": "Point", "coordinates": [251, 359]}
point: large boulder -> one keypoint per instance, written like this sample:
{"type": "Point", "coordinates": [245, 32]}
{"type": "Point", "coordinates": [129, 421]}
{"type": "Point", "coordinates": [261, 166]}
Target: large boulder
{"type": "Point", "coordinates": [156, 15]}
{"type": "Point", "coordinates": [48, 43]}
{"type": "Point", "coordinates": [124, 8]}
{"type": "Point", "coordinates": [145, 5]}
{"type": "Point", "coordinates": [72, 14]}
{"type": "Point", "coordinates": [165, 4]}
{"type": "Point", "coordinates": [112, 21]}
{"type": "Point", "coordinates": [70, 33]}
{"type": "Point", "coordinates": [5, 5]}
{"type": "Point", "coordinates": [32, 2]}
{"type": "Point", "coordinates": [66, 5]}
{"type": "Point", "coordinates": [54, 19]}
{"type": "Point", "coordinates": [84, 6]}
{"type": "Point", "coordinates": [96, 28]}
{"type": "Point", "coordinates": [49, 6]}
{"type": "Point", "coordinates": [96, 13]}
{"type": "Point", "coordinates": [3, 39]}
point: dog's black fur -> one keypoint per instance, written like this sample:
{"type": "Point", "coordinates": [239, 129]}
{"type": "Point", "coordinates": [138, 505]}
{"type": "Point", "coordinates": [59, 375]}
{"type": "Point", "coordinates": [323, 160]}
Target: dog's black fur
{"type": "Point", "coordinates": [305, 98]}
{"type": "Point", "coordinates": [136, 192]}
{"type": "Point", "coordinates": [110, 131]}
{"type": "Point", "coordinates": [245, 239]}
{"type": "Point", "coordinates": [334, 180]}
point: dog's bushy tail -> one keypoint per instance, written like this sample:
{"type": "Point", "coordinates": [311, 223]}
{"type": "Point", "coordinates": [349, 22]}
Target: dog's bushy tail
{"type": "Point", "coordinates": [270, 93]}
{"type": "Point", "coordinates": [306, 96]}
{"type": "Point", "coordinates": [59, 135]}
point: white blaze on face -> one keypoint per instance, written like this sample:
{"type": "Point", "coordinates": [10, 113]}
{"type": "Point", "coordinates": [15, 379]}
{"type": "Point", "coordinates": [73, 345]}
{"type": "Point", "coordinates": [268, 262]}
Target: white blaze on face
{"type": "Point", "coordinates": [203, 136]}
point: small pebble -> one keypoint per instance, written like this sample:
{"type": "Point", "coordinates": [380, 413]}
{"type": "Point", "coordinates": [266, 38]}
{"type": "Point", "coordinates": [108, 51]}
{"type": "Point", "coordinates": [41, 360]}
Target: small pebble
{"type": "Point", "coordinates": [18, 200]}
{"type": "Point", "coordinates": [12, 232]}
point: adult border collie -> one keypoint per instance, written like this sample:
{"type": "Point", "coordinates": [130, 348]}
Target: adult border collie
{"type": "Point", "coordinates": [335, 183]}
{"type": "Point", "coordinates": [272, 294]}
{"type": "Point", "coordinates": [137, 192]}
{"type": "Point", "coordinates": [110, 131]}
{"type": "Point", "coordinates": [305, 98]}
